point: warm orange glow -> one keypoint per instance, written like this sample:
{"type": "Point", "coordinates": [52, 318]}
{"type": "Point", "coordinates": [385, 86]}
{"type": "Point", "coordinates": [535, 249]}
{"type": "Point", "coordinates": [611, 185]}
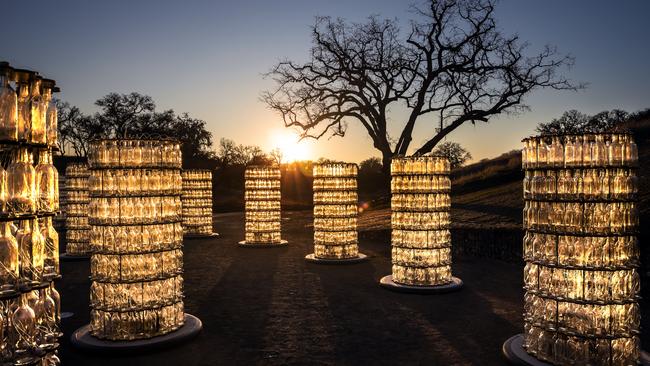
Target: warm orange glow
{"type": "Point", "coordinates": [289, 145]}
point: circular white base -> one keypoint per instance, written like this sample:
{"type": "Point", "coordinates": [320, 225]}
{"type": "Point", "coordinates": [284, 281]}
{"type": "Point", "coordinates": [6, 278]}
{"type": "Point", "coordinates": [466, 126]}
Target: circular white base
{"type": "Point", "coordinates": [388, 283]}
{"type": "Point", "coordinates": [200, 236]}
{"type": "Point", "coordinates": [65, 257]}
{"type": "Point", "coordinates": [513, 350]}
{"type": "Point", "coordinates": [243, 244]}
{"type": "Point", "coordinates": [311, 258]}
{"type": "Point", "coordinates": [82, 339]}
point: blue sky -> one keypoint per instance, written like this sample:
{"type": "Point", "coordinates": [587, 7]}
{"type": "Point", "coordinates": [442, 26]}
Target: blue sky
{"type": "Point", "coordinates": [207, 58]}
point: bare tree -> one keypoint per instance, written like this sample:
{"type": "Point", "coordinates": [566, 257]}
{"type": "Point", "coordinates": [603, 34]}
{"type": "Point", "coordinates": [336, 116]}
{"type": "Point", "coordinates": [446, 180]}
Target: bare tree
{"type": "Point", "coordinates": [276, 155]}
{"type": "Point", "coordinates": [120, 112]}
{"type": "Point", "coordinates": [76, 129]}
{"type": "Point", "coordinates": [454, 66]}
{"type": "Point", "coordinates": [456, 154]}
{"type": "Point", "coordinates": [66, 116]}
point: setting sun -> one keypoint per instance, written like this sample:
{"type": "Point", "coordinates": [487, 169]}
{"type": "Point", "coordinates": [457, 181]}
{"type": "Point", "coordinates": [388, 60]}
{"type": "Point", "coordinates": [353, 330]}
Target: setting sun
{"type": "Point", "coordinates": [289, 145]}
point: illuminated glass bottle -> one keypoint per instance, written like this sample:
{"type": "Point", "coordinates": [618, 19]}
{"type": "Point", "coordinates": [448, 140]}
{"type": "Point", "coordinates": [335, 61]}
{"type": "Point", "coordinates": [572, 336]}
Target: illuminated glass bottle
{"type": "Point", "coordinates": [8, 106]}
{"type": "Point", "coordinates": [46, 327]}
{"type": "Point", "coordinates": [56, 297]}
{"type": "Point", "coordinates": [38, 114]}
{"type": "Point", "coordinates": [51, 251]}
{"type": "Point", "coordinates": [32, 252]}
{"type": "Point", "coordinates": [23, 331]}
{"type": "Point", "coordinates": [51, 116]}
{"type": "Point", "coordinates": [24, 117]}
{"type": "Point", "coordinates": [21, 183]}
{"type": "Point", "coordinates": [47, 183]}
{"type": "Point", "coordinates": [9, 271]}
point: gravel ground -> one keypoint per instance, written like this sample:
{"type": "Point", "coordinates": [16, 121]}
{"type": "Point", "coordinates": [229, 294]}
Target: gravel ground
{"type": "Point", "coordinates": [270, 307]}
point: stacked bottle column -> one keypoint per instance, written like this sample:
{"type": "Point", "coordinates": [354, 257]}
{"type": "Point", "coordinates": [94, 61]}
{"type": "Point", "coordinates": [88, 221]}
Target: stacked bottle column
{"type": "Point", "coordinates": [77, 228]}
{"type": "Point", "coordinates": [581, 250]}
{"type": "Point", "coordinates": [29, 245]}
{"type": "Point", "coordinates": [136, 239]}
{"type": "Point", "coordinates": [420, 219]}
{"type": "Point", "coordinates": [262, 205]}
{"type": "Point", "coordinates": [335, 211]}
{"type": "Point", "coordinates": [59, 219]}
{"type": "Point", "coordinates": [197, 202]}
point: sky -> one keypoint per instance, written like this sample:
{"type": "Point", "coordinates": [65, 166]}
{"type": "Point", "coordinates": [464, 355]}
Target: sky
{"type": "Point", "coordinates": [207, 58]}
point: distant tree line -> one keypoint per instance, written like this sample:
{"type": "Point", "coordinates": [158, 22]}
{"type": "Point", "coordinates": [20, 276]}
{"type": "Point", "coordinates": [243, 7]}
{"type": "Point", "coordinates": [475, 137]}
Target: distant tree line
{"type": "Point", "coordinates": [575, 122]}
{"type": "Point", "coordinates": [134, 115]}
{"type": "Point", "coordinates": [131, 115]}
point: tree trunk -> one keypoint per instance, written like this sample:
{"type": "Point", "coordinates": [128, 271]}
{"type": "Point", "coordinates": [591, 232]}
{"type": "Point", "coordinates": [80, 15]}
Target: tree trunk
{"type": "Point", "coordinates": [385, 161]}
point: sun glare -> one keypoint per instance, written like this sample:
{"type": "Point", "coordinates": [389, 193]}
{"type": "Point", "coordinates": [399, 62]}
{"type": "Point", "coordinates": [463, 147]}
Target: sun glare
{"type": "Point", "coordinates": [289, 145]}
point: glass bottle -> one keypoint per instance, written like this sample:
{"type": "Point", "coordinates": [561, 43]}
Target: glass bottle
{"type": "Point", "coordinates": [562, 183]}
{"type": "Point", "coordinates": [575, 184]}
{"type": "Point", "coordinates": [550, 184]}
{"type": "Point", "coordinates": [21, 178]}
{"type": "Point", "coordinates": [9, 271]}
{"type": "Point", "coordinates": [47, 183]}
{"type": "Point", "coordinates": [578, 150]}
{"type": "Point", "coordinates": [587, 150]}
{"type": "Point", "coordinates": [527, 184]}
{"type": "Point", "coordinates": [8, 106]}
{"type": "Point", "coordinates": [56, 297]}
{"type": "Point", "coordinates": [126, 153]}
{"type": "Point", "coordinates": [615, 151]}
{"type": "Point", "coordinates": [569, 152]}
{"type": "Point", "coordinates": [51, 260]}
{"type": "Point", "coordinates": [542, 153]}
{"type": "Point", "coordinates": [23, 320]}
{"type": "Point", "coordinates": [631, 151]}
{"type": "Point", "coordinates": [557, 152]}
{"type": "Point", "coordinates": [532, 154]}
{"type": "Point", "coordinates": [46, 328]}
{"type": "Point", "coordinates": [36, 302]}
{"type": "Point", "coordinates": [113, 153]}
{"type": "Point", "coordinates": [632, 184]}
{"type": "Point", "coordinates": [24, 119]}
{"type": "Point", "coordinates": [51, 116]}
{"type": "Point", "coordinates": [31, 246]}
{"type": "Point", "coordinates": [599, 152]}
{"type": "Point", "coordinates": [524, 156]}
{"type": "Point", "coordinates": [38, 107]}
{"type": "Point", "coordinates": [587, 185]}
